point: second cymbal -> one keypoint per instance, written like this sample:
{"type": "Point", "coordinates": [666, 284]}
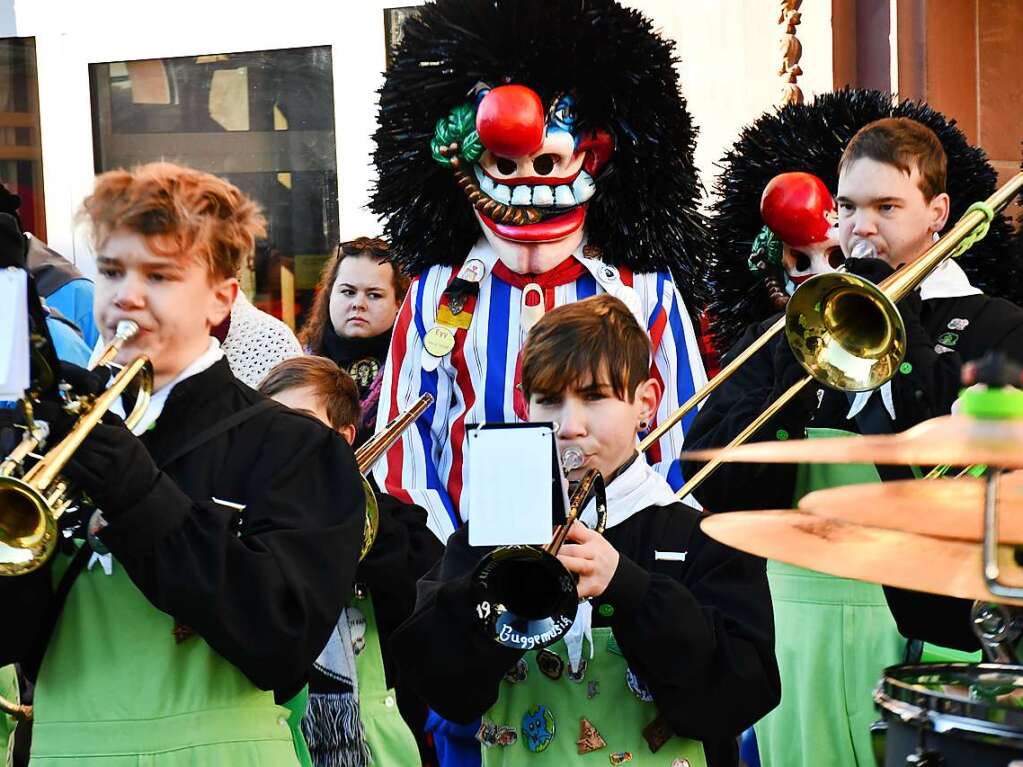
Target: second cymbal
{"type": "Point", "coordinates": [889, 557]}
{"type": "Point", "coordinates": [944, 508]}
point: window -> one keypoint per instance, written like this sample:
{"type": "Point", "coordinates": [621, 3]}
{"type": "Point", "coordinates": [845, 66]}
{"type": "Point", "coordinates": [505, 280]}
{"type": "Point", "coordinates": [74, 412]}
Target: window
{"type": "Point", "coordinates": [263, 120]}
{"type": "Point", "coordinates": [21, 159]}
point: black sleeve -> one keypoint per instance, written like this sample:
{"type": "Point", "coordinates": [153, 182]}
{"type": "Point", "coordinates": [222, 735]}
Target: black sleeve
{"type": "Point", "coordinates": [403, 552]}
{"type": "Point", "coordinates": [933, 381]}
{"type": "Point", "coordinates": [440, 651]}
{"type": "Point", "coordinates": [26, 601]}
{"type": "Point", "coordinates": [728, 411]}
{"type": "Point", "coordinates": [265, 597]}
{"type": "Point", "coordinates": [936, 619]}
{"type": "Point", "coordinates": [705, 646]}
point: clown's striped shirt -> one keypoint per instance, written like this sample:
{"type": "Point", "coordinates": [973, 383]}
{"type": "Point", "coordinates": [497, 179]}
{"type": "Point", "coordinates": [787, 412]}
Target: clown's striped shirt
{"type": "Point", "coordinates": [476, 382]}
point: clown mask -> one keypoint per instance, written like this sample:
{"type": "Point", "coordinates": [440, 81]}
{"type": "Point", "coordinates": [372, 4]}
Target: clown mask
{"type": "Point", "coordinates": [527, 171]}
{"type": "Point", "coordinates": [800, 212]}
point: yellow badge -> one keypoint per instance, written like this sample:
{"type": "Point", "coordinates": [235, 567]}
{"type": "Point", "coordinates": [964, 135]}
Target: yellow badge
{"type": "Point", "coordinates": [439, 341]}
{"type": "Point", "coordinates": [461, 320]}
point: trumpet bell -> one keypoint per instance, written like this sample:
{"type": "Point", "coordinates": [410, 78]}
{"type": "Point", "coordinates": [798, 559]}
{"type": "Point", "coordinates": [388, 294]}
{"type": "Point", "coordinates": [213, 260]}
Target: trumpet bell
{"type": "Point", "coordinates": [525, 598]}
{"type": "Point", "coordinates": [28, 532]}
{"type": "Point", "coordinates": [845, 332]}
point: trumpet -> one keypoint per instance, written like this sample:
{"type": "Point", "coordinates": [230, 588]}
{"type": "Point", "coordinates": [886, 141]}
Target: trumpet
{"type": "Point", "coordinates": [31, 504]}
{"type": "Point", "coordinates": [371, 452]}
{"type": "Point", "coordinates": [845, 331]}
{"type": "Point", "coordinates": [19, 712]}
{"type": "Point", "coordinates": [524, 597]}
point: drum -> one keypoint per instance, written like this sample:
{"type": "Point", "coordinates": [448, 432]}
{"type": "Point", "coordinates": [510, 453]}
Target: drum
{"type": "Point", "coordinates": [952, 714]}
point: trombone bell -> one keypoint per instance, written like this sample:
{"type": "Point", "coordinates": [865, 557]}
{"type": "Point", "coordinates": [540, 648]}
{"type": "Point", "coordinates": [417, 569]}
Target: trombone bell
{"type": "Point", "coordinates": [845, 332]}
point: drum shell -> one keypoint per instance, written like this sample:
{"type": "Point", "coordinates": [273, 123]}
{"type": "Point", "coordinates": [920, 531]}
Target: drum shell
{"type": "Point", "coordinates": [977, 732]}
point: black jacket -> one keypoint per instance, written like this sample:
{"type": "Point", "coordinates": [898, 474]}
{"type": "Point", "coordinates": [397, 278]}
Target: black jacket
{"type": "Point", "coordinates": [699, 632]}
{"type": "Point", "coordinates": [937, 347]}
{"type": "Point", "coordinates": [263, 588]}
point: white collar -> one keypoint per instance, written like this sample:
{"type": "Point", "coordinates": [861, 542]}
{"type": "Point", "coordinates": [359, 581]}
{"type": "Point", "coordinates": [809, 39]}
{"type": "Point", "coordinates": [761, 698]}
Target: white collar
{"type": "Point", "coordinates": [637, 488]}
{"type": "Point", "coordinates": [947, 281]}
{"type": "Point", "coordinates": [201, 363]}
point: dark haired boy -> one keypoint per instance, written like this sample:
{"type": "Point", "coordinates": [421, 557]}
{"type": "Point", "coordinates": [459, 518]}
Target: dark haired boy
{"type": "Point", "coordinates": [891, 196]}
{"type": "Point", "coordinates": [681, 643]}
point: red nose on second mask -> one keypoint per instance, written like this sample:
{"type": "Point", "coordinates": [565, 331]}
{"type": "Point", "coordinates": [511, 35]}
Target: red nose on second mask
{"type": "Point", "coordinates": [795, 207]}
{"type": "Point", "coordinates": [510, 121]}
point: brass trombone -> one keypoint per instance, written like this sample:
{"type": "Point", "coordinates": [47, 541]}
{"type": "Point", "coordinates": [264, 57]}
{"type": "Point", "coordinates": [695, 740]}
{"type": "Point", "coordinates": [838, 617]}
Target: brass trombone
{"type": "Point", "coordinates": [371, 452]}
{"type": "Point", "coordinates": [844, 330]}
{"type": "Point", "coordinates": [524, 597]}
{"type": "Point", "coordinates": [32, 504]}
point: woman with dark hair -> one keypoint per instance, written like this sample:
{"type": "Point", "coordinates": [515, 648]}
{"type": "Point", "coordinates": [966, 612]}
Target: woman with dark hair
{"type": "Point", "coordinates": [353, 314]}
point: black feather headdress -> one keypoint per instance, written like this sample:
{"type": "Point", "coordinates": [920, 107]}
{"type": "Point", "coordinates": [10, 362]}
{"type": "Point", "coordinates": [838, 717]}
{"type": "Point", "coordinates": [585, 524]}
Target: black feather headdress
{"type": "Point", "coordinates": [622, 76]}
{"type": "Point", "coordinates": [811, 138]}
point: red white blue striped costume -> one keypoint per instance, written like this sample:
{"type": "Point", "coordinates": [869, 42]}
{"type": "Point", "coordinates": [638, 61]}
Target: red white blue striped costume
{"type": "Point", "coordinates": [476, 382]}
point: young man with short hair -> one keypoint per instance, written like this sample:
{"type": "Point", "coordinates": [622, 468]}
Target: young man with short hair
{"type": "Point", "coordinates": [679, 657]}
{"type": "Point", "coordinates": [219, 541]}
{"type": "Point", "coordinates": [891, 197]}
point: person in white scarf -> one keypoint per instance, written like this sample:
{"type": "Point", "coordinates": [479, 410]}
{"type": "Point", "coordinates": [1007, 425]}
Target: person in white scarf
{"type": "Point", "coordinates": [344, 724]}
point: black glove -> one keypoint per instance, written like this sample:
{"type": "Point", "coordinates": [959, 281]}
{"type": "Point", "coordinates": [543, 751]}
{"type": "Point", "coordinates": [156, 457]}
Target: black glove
{"type": "Point", "coordinates": [876, 270]}
{"type": "Point", "coordinates": [873, 269]}
{"type": "Point", "coordinates": [85, 381]}
{"type": "Point", "coordinates": [113, 468]}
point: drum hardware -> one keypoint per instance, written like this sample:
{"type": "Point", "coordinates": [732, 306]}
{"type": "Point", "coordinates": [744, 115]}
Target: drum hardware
{"type": "Point", "coordinates": [525, 598]}
{"type": "Point", "coordinates": [952, 713]}
{"type": "Point", "coordinates": [999, 629]}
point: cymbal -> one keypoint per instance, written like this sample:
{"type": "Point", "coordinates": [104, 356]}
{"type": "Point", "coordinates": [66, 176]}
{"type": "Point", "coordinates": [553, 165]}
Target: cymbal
{"type": "Point", "coordinates": [956, 440]}
{"type": "Point", "coordinates": [889, 557]}
{"type": "Point", "coordinates": [944, 508]}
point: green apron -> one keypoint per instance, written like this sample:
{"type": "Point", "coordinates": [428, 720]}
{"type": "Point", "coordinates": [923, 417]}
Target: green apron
{"type": "Point", "coordinates": [833, 639]}
{"type": "Point", "coordinates": [618, 715]}
{"type": "Point", "coordinates": [9, 690]}
{"type": "Point", "coordinates": [117, 690]}
{"type": "Point", "coordinates": [389, 738]}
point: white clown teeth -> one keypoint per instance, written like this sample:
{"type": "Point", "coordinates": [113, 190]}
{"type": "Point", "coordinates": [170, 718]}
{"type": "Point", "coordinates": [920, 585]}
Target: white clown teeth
{"type": "Point", "coordinates": [502, 194]}
{"type": "Point", "coordinates": [521, 195]}
{"type": "Point", "coordinates": [541, 195]}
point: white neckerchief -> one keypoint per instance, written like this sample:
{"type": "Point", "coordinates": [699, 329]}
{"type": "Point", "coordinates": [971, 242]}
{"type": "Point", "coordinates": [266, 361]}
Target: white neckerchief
{"type": "Point", "coordinates": [637, 488]}
{"type": "Point", "coordinates": [156, 403]}
{"type": "Point", "coordinates": [203, 362]}
{"type": "Point", "coordinates": [947, 281]}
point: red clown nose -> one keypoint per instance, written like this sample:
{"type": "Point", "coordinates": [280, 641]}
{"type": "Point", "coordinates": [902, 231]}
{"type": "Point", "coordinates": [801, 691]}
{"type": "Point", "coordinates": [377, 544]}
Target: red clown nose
{"type": "Point", "coordinates": [510, 121]}
{"type": "Point", "coordinates": [794, 206]}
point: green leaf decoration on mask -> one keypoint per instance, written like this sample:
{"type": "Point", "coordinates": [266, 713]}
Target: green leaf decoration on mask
{"type": "Point", "coordinates": [766, 251]}
{"type": "Point", "coordinates": [458, 127]}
